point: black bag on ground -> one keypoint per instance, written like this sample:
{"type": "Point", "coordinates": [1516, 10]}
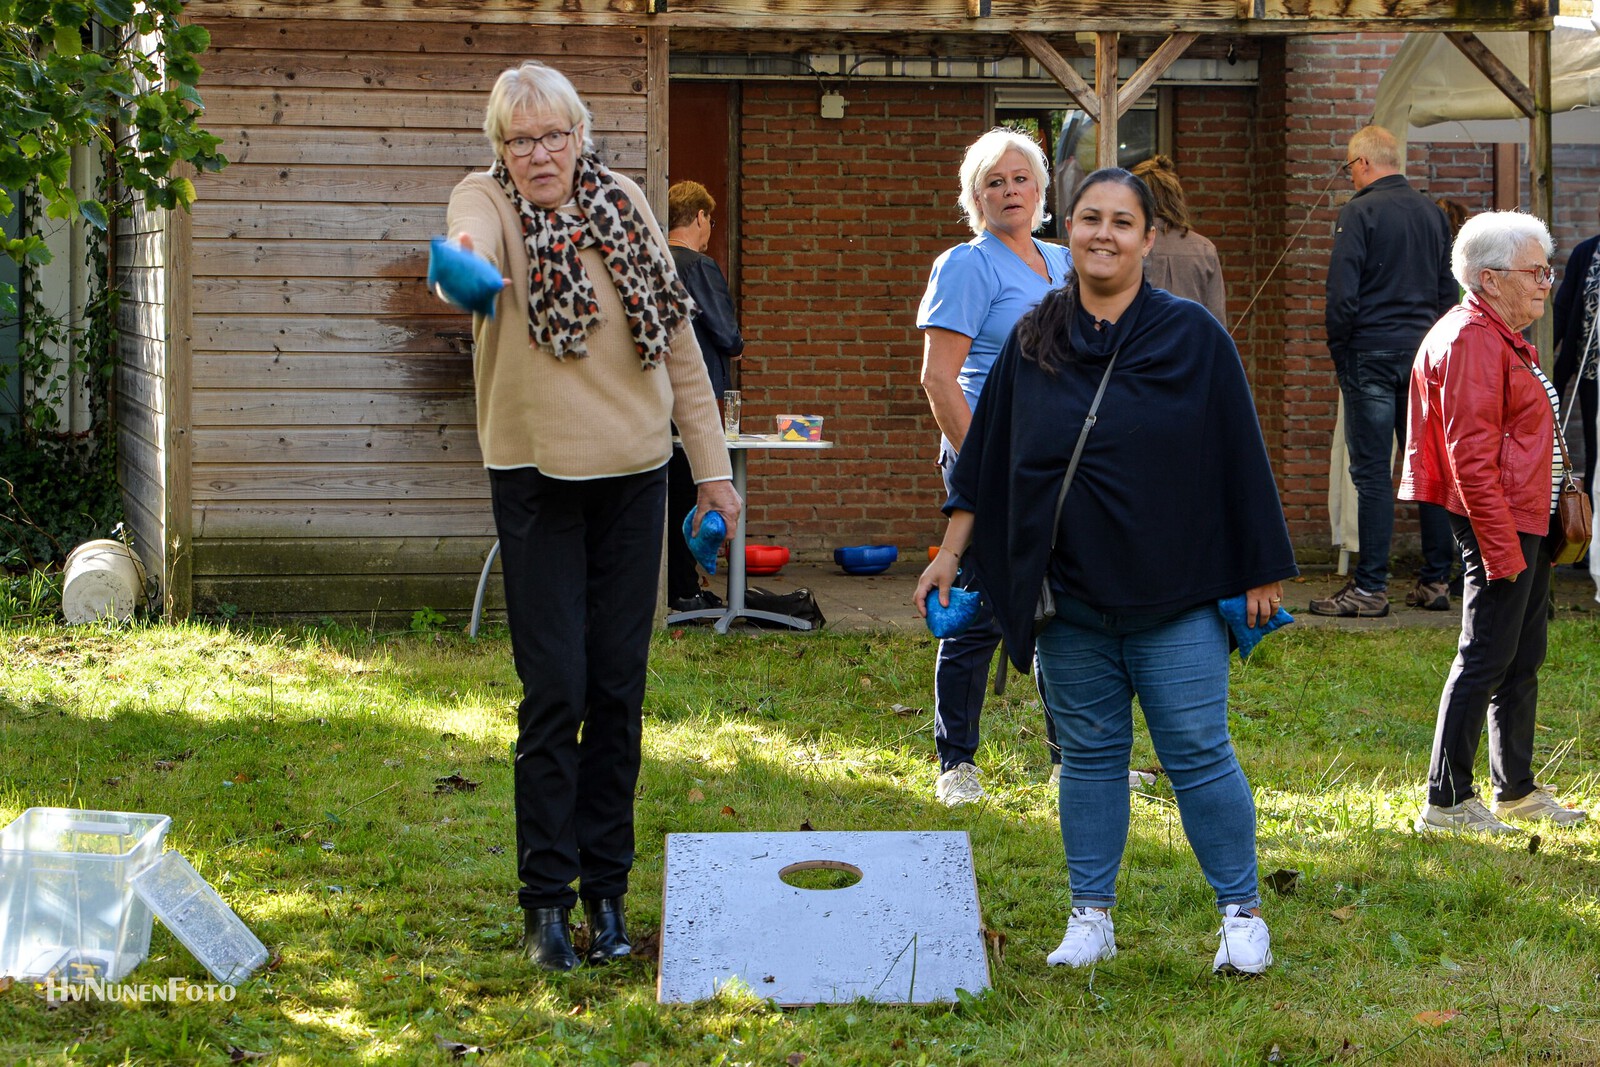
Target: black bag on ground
{"type": "Point", "coordinates": [800, 603]}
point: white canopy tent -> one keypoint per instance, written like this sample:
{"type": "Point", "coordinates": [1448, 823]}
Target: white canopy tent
{"type": "Point", "coordinates": [1433, 92]}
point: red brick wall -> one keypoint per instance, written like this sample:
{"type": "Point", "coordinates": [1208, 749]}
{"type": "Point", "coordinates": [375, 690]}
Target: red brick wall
{"type": "Point", "coordinates": [842, 219]}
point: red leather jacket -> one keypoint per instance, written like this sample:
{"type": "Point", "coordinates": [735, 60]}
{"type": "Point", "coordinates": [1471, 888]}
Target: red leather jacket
{"type": "Point", "coordinates": [1480, 431]}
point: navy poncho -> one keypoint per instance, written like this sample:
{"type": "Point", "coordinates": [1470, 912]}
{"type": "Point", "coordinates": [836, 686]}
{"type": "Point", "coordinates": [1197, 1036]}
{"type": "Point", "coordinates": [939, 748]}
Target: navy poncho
{"type": "Point", "coordinates": [1173, 504]}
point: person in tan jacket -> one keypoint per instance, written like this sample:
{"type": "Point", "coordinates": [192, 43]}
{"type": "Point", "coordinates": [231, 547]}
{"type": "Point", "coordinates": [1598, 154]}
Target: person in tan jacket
{"type": "Point", "coordinates": [585, 364]}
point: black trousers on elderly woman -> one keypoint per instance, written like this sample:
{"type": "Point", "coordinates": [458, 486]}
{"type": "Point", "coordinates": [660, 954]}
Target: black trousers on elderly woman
{"type": "Point", "coordinates": [1495, 677]}
{"type": "Point", "coordinates": [581, 561]}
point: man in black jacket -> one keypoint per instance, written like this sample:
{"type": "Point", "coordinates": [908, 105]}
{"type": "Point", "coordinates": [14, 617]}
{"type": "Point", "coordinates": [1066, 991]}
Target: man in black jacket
{"type": "Point", "coordinates": [1388, 282]}
{"type": "Point", "coordinates": [689, 208]}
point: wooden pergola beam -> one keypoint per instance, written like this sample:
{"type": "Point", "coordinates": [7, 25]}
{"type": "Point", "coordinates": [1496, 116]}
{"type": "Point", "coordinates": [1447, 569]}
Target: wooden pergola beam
{"type": "Point", "coordinates": [1166, 54]}
{"type": "Point", "coordinates": [1495, 69]}
{"type": "Point", "coordinates": [1057, 67]}
{"type": "Point", "coordinates": [1105, 88]}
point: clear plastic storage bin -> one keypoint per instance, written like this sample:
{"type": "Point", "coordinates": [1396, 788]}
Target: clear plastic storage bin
{"type": "Point", "coordinates": [200, 919]}
{"type": "Point", "coordinates": [67, 905]}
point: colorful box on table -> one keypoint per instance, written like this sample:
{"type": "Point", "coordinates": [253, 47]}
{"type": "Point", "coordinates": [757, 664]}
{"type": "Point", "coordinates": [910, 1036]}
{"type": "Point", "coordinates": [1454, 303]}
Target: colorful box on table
{"type": "Point", "coordinates": [799, 427]}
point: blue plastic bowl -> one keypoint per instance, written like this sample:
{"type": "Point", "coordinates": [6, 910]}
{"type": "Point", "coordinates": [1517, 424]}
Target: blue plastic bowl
{"type": "Point", "coordinates": [865, 559]}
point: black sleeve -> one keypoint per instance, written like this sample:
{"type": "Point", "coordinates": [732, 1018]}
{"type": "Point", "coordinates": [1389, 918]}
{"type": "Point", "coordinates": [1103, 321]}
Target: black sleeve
{"type": "Point", "coordinates": [706, 284]}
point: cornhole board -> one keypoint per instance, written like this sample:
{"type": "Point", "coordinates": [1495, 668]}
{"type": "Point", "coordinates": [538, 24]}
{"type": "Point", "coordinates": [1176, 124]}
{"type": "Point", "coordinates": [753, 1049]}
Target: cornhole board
{"type": "Point", "coordinates": [908, 932]}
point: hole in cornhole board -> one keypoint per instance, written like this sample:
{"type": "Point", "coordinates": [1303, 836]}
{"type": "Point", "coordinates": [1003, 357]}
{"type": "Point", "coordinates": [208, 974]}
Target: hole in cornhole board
{"type": "Point", "coordinates": [821, 917]}
{"type": "Point", "coordinates": [820, 874]}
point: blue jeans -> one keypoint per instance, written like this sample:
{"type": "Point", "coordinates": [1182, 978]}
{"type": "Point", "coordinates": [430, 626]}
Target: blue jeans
{"type": "Point", "coordinates": [1377, 393]}
{"type": "Point", "coordinates": [1093, 667]}
{"type": "Point", "coordinates": [961, 673]}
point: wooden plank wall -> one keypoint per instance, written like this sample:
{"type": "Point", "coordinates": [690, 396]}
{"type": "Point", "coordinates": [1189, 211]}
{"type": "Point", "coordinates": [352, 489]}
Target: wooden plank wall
{"type": "Point", "coordinates": [335, 466]}
{"type": "Point", "coordinates": [141, 274]}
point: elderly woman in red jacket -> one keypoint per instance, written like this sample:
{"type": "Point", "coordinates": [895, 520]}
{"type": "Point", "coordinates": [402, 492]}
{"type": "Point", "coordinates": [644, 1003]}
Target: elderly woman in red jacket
{"type": "Point", "coordinates": [1481, 443]}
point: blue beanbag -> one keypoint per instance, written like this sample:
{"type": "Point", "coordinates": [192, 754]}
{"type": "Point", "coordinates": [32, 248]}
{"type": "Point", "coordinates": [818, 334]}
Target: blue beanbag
{"type": "Point", "coordinates": [704, 545]}
{"type": "Point", "coordinates": [465, 278]}
{"type": "Point", "coordinates": [953, 620]}
{"type": "Point", "coordinates": [1247, 637]}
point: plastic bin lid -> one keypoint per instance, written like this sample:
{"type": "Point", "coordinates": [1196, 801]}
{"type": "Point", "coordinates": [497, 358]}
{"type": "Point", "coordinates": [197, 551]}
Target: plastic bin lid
{"type": "Point", "coordinates": [200, 919]}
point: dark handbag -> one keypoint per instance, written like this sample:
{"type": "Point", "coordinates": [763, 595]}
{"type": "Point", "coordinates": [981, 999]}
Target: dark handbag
{"type": "Point", "coordinates": [1573, 522]}
{"type": "Point", "coordinates": [1045, 610]}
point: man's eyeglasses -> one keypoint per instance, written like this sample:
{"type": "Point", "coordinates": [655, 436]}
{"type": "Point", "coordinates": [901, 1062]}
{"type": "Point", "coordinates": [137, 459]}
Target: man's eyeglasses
{"type": "Point", "coordinates": [1344, 168]}
{"type": "Point", "coordinates": [553, 142]}
{"type": "Point", "coordinates": [1541, 275]}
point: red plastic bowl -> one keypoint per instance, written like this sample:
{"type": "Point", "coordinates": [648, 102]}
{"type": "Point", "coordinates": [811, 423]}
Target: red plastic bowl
{"type": "Point", "coordinates": [764, 559]}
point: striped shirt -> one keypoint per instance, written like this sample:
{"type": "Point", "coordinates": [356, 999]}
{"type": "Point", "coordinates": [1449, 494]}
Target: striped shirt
{"type": "Point", "coordinates": [1558, 471]}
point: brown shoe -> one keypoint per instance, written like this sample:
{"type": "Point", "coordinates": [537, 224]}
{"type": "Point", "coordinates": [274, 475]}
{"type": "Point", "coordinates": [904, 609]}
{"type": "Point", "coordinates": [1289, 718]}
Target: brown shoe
{"type": "Point", "coordinates": [1351, 602]}
{"type": "Point", "coordinates": [1430, 596]}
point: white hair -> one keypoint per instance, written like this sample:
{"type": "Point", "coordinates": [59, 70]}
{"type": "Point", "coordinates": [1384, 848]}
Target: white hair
{"type": "Point", "coordinates": [981, 158]}
{"type": "Point", "coordinates": [533, 86]}
{"type": "Point", "coordinates": [1491, 241]}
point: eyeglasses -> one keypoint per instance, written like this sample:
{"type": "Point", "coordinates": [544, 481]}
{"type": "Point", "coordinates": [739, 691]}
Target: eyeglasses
{"type": "Point", "coordinates": [1541, 275]}
{"type": "Point", "coordinates": [553, 142]}
{"type": "Point", "coordinates": [1344, 168]}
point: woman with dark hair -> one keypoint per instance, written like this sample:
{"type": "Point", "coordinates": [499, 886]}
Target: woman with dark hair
{"type": "Point", "coordinates": [1171, 507]}
{"type": "Point", "coordinates": [1181, 261]}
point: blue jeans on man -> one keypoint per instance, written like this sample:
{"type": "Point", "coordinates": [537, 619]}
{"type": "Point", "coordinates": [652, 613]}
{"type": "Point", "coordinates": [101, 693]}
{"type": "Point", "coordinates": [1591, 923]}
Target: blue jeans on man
{"type": "Point", "coordinates": [1377, 391]}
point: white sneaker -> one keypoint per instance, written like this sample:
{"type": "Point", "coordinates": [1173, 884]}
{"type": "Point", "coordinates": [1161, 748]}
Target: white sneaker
{"type": "Point", "coordinates": [959, 785]}
{"type": "Point", "coordinates": [1539, 804]}
{"type": "Point", "coordinates": [1091, 937]}
{"type": "Point", "coordinates": [1469, 816]}
{"type": "Point", "coordinates": [1246, 945]}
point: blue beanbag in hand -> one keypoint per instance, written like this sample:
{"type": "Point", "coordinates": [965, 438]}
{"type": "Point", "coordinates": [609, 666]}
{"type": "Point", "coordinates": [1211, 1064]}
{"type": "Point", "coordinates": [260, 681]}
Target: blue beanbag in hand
{"type": "Point", "coordinates": [704, 545]}
{"type": "Point", "coordinates": [464, 278]}
{"type": "Point", "coordinates": [953, 620]}
{"type": "Point", "coordinates": [1247, 637]}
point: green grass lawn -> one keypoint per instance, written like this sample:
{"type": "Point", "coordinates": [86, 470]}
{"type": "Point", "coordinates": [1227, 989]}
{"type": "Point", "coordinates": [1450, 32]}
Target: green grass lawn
{"type": "Point", "coordinates": [301, 770]}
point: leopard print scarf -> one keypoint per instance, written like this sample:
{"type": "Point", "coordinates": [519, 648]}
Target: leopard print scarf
{"type": "Point", "coordinates": [562, 310]}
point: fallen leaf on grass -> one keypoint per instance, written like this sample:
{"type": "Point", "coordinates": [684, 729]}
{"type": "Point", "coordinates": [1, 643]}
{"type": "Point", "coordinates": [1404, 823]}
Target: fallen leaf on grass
{"type": "Point", "coordinates": [242, 778]}
{"type": "Point", "coordinates": [114, 781]}
{"type": "Point", "coordinates": [696, 797]}
{"type": "Point", "coordinates": [240, 1055]}
{"type": "Point", "coordinates": [904, 711]}
{"type": "Point", "coordinates": [807, 825]}
{"type": "Point", "coordinates": [1344, 914]}
{"type": "Point", "coordinates": [995, 940]}
{"type": "Point", "coordinates": [1534, 841]}
{"type": "Point", "coordinates": [456, 1048]}
{"type": "Point", "coordinates": [1436, 1018]}
{"type": "Point", "coordinates": [795, 1059]}
{"type": "Point", "coordinates": [577, 1010]}
{"type": "Point", "coordinates": [647, 946]}
{"type": "Point", "coordinates": [454, 783]}
{"type": "Point", "coordinates": [1284, 880]}
{"type": "Point", "coordinates": [1348, 1051]}
{"type": "Point", "coordinates": [729, 812]}
{"type": "Point", "coordinates": [1274, 1055]}
{"type": "Point", "coordinates": [864, 682]}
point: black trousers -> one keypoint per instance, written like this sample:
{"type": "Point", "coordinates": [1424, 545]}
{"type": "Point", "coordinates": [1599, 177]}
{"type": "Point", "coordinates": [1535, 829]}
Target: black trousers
{"type": "Point", "coordinates": [1495, 677]}
{"type": "Point", "coordinates": [581, 560]}
{"type": "Point", "coordinates": [682, 496]}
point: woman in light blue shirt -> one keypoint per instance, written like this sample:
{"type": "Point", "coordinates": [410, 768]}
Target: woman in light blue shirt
{"type": "Point", "coordinates": [977, 293]}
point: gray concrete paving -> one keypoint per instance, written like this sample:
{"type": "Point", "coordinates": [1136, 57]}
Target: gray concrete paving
{"type": "Point", "coordinates": [867, 603]}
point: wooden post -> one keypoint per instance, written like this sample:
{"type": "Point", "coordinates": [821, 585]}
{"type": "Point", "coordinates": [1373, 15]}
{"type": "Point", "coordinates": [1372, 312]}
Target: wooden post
{"type": "Point", "coordinates": [1105, 87]}
{"type": "Point", "coordinates": [658, 53]}
{"type": "Point", "coordinates": [1540, 161]}
{"type": "Point", "coordinates": [177, 506]}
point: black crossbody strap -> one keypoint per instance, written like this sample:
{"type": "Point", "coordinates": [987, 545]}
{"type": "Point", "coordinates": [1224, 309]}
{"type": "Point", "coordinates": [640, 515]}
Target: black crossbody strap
{"type": "Point", "coordinates": [1077, 451]}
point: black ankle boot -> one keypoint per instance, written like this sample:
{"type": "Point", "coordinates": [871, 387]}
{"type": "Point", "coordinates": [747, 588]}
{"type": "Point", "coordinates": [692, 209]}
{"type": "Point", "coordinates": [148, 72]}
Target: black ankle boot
{"type": "Point", "coordinates": [546, 940]}
{"type": "Point", "coordinates": [608, 935]}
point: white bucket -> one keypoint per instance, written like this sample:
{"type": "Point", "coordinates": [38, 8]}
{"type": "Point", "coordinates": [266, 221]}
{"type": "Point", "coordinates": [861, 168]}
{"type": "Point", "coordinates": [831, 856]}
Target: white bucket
{"type": "Point", "coordinates": [102, 579]}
